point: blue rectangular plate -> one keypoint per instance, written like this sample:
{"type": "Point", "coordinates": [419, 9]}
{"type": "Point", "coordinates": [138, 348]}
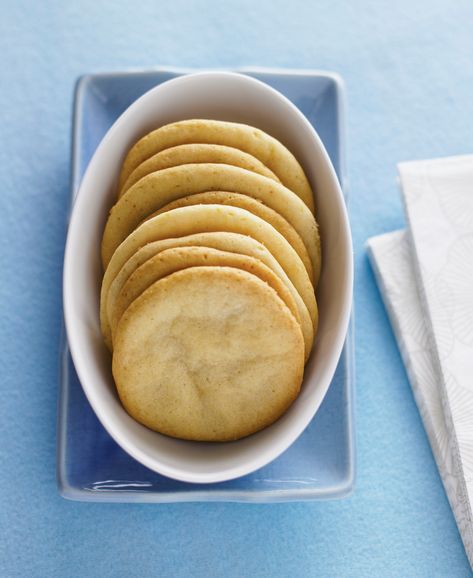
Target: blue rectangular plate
{"type": "Point", "coordinates": [320, 464]}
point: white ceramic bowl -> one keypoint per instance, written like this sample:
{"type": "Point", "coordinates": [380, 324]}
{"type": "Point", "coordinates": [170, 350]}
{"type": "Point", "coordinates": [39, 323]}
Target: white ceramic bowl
{"type": "Point", "coordinates": [223, 96]}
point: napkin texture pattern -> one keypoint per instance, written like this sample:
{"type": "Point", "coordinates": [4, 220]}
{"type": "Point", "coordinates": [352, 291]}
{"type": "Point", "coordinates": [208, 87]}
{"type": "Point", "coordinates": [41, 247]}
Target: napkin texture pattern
{"type": "Point", "coordinates": [390, 256]}
{"type": "Point", "coordinates": [425, 275]}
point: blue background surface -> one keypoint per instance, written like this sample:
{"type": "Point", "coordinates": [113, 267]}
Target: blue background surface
{"type": "Point", "coordinates": [409, 75]}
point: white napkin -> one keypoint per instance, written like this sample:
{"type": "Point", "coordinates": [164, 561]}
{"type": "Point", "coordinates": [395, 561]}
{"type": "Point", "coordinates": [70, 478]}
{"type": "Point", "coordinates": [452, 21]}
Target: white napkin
{"type": "Point", "coordinates": [426, 279]}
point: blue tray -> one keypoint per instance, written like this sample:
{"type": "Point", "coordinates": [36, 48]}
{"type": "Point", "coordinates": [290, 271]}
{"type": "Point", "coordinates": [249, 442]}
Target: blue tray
{"type": "Point", "coordinates": [320, 464]}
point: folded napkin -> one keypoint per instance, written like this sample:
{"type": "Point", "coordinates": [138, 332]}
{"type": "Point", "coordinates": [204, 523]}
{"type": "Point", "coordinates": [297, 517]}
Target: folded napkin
{"type": "Point", "coordinates": [425, 275]}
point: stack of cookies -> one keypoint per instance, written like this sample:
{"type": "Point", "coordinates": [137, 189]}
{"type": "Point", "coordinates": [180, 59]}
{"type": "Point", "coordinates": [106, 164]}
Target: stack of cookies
{"type": "Point", "coordinates": [211, 256]}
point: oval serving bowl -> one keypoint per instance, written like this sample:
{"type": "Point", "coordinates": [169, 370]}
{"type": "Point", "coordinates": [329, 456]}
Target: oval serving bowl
{"type": "Point", "coordinates": [221, 96]}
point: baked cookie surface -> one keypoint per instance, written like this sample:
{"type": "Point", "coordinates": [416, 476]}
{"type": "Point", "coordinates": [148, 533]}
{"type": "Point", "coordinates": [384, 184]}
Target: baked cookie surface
{"type": "Point", "coordinates": [222, 241]}
{"type": "Point", "coordinates": [197, 153]}
{"type": "Point", "coordinates": [254, 141]}
{"type": "Point", "coordinates": [253, 206]}
{"type": "Point", "coordinates": [208, 354]}
{"type": "Point", "coordinates": [157, 189]}
{"type": "Point", "coordinates": [210, 218]}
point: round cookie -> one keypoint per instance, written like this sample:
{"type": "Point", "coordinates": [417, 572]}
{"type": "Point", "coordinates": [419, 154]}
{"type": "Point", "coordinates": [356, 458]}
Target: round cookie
{"type": "Point", "coordinates": [254, 141]}
{"type": "Point", "coordinates": [154, 191]}
{"type": "Point", "coordinates": [255, 207]}
{"type": "Point", "coordinates": [196, 153]}
{"type": "Point", "coordinates": [208, 354]}
{"type": "Point", "coordinates": [171, 260]}
{"type": "Point", "coordinates": [211, 218]}
{"type": "Point", "coordinates": [223, 241]}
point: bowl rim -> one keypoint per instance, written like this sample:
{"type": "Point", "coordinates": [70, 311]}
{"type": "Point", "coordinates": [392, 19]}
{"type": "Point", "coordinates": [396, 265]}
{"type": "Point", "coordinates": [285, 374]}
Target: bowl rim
{"type": "Point", "coordinates": [272, 451]}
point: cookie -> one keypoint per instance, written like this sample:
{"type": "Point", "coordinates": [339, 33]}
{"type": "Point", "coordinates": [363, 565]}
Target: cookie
{"type": "Point", "coordinates": [211, 218]}
{"type": "Point", "coordinates": [154, 191]}
{"type": "Point", "coordinates": [255, 207]}
{"type": "Point", "coordinates": [224, 241]}
{"type": "Point", "coordinates": [171, 260]}
{"type": "Point", "coordinates": [196, 153]}
{"type": "Point", "coordinates": [208, 354]}
{"type": "Point", "coordinates": [254, 141]}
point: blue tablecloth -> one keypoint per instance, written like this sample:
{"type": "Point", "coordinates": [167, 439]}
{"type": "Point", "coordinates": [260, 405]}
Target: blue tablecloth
{"type": "Point", "coordinates": [409, 75]}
